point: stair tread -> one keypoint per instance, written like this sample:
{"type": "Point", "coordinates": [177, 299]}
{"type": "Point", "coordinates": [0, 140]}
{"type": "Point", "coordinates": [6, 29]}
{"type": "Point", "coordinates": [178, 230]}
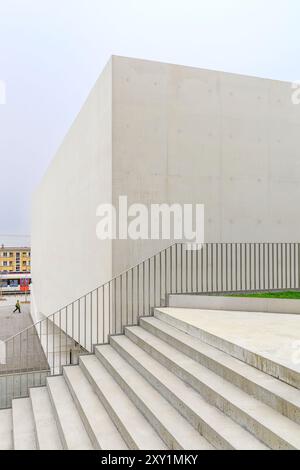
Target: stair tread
{"type": "Point", "coordinates": [6, 438]}
{"type": "Point", "coordinates": [138, 427]}
{"type": "Point", "coordinates": [264, 414]}
{"type": "Point", "coordinates": [282, 389]}
{"type": "Point", "coordinates": [238, 437]}
{"type": "Point", "coordinates": [184, 433]}
{"type": "Point", "coordinates": [45, 425]}
{"type": "Point", "coordinates": [23, 425]}
{"type": "Point", "coordinates": [70, 423]}
{"type": "Point", "coordinates": [104, 430]}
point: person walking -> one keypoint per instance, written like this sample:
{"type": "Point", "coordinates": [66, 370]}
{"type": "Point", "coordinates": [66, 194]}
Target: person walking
{"type": "Point", "coordinates": [18, 307]}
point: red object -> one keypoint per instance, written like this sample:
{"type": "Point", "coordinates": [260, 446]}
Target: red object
{"type": "Point", "coordinates": [24, 285]}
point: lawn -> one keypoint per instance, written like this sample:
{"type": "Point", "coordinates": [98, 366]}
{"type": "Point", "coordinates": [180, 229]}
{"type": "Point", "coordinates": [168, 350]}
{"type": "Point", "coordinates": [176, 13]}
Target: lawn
{"type": "Point", "coordinates": [271, 295]}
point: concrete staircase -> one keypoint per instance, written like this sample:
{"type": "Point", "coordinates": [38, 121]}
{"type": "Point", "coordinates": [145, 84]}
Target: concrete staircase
{"type": "Point", "coordinates": [156, 387]}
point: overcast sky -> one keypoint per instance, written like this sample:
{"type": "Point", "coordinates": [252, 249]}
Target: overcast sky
{"type": "Point", "coordinates": [52, 51]}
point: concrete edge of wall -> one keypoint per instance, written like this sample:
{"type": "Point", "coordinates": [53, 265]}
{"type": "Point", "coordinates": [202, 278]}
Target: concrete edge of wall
{"type": "Point", "coordinates": [242, 304]}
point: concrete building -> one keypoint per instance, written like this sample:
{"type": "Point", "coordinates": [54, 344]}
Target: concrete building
{"type": "Point", "coordinates": [161, 133]}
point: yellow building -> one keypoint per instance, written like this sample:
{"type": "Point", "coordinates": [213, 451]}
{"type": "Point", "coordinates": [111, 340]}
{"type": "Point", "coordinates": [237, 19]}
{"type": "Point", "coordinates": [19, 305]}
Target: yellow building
{"type": "Point", "coordinates": [15, 259]}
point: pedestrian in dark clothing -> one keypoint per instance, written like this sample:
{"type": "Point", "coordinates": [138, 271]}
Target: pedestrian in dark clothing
{"type": "Point", "coordinates": [18, 307]}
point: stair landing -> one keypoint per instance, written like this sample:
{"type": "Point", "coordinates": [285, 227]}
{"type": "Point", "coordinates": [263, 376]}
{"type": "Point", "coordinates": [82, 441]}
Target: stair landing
{"type": "Point", "coordinates": [268, 341]}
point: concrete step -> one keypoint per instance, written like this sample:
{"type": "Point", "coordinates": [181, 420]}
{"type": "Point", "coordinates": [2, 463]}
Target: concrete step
{"type": "Point", "coordinates": [173, 428]}
{"type": "Point", "coordinates": [23, 425]}
{"type": "Point", "coordinates": [6, 433]}
{"type": "Point", "coordinates": [269, 426]}
{"type": "Point", "coordinates": [215, 426]}
{"type": "Point", "coordinates": [47, 435]}
{"type": "Point", "coordinates": [71, 429]}
{"type": "Point", "coordinates": [133, 427]}
{"type": "Point", "coordinates": [251, 357]}
{"type": "Point", "coordinates": [280, 396]}
{"type": "Point", "coordinates": [101, 430]}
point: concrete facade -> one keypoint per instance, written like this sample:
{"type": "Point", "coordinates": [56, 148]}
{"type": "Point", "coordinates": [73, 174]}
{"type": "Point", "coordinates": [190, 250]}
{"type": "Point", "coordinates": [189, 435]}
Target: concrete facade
{"type": "Point", "coordinates": [162, 133]}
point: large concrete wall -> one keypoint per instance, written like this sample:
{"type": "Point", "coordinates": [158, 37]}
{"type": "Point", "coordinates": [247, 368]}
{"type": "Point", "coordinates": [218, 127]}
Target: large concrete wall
{"type": "Point", "coordinates": [231, 142]}
{"type": "Point", "coordinates": [67, 259]}
{"type": "Point", "coordinates": [165, 133]}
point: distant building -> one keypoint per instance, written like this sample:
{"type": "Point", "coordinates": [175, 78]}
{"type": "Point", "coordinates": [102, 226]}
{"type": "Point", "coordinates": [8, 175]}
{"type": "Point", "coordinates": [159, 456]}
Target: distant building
{"type": "Point", "coordinates": [15, 259]}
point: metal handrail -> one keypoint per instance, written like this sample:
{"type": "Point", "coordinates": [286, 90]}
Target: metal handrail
{"type": "Point", "coordinates": [89, 293]}
{"type": "Point", "coordinates": [75, 329]}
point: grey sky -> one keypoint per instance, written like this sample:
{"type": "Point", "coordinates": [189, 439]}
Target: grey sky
{"type": "Point", "coordinates": [52, 51]}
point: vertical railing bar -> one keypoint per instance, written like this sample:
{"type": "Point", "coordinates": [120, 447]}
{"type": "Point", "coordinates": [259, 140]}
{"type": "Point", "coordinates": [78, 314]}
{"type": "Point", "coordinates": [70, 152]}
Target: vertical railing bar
{"type": "Point", "coordinates": [154, 281]}
{"type": "Point", "coordinates": [212, 265]}
{"type": "Point", "coordinates": [40, 355]}
{"type": "Point", "coordinates": [138, 291]}
{"type": "Point", "coordinates": [144, 280]}
{"type": "Point", "coordinates": [149, 285]}
{"type": "Point", "coordinates": [97, 313]}
{"type": "Point", "coordinates": [66, 335]}
{"type": "Point", "coordinates": [273, 265]}
{"type": "Point", "coordinates": [277, 266]}
{"type": "Point", "coordinates": [291, 285]}
{"type": "Point", "coordinates": [298, 265]}
{"type": "Point", "coordinates": [254, 267]}
{"type": "Point", "coordinates": [181, 266]}
{"type": "Point", "coordinates": [126, 293]}
{"type": "Point", "coordinates": [202, 267]}
{"type": "Point", "coordinates": [246, 266]}
{"type": "Point", "coordinates": [60, 348]}
{"type": "Point", "coordinates": [222, 267]}
{"type": "Point", "coordinates": [103, 315]}
{"type": "Point", "coordinates": [53, 345]}
{"type": "Point", "coordinates": [132, 294]}
{"type": "Point", "coordinates": [295, 268]}
{"type": "Point", "coordinates": [91, 321]}
{"type": "Point", "coordinates": [85, 343]}
{"type": "Point", "coordinates": [226, 265]}
{"type": "Point", "coordinates": [286, 265]}
{"type": "Point", "coordinates": [236, 266]}
{"type": "Point", "coordinates": [217, 267]}
{"type": "Point", "coordinates": [206, 273]}
{"type": "Point", "coordinates": [250, 263]}
{"type": "Point", "coordinates": [27, 365]}
{"type": "Point", "coordinates": [231, 266]}
{"type": "Point", "coordinates": [283, 266]}
{"type": "Point", "coordinates": [109, 304]}
{"type": "Point", "coordinates": [192, 269]}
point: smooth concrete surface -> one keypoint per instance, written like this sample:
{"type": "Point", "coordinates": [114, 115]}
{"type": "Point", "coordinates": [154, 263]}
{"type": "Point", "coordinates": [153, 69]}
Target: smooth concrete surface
{"type": "Point", "coordinates": [101, 430]}
{"type": "Point", "coordinates": [132, 425]}
{"type": "Point", "coordinates": [6, 437]}
{"type": "Point", "coordinates": [70, 426]}
{"type": "Point", "coordinates": [23, 425]}
{"type": "Point", "coordinates": [240, 304]}
{"type": "Point", "coordinates": [269, 390]}
{"type": "Point", "coordinates": [47, 435]}
{"type": "Point", "coordinates": [67, 258]}
{"type": "Point", "coordinates": [226, 434]}
{"type": "Point", "coordinates": [268, 425]}
{"type": "Point", "coordinates": [168, 423]}
{"type": "Point", "coordinates": [161, 133]}
{"type": "Point", "coordinates": [270, 340]}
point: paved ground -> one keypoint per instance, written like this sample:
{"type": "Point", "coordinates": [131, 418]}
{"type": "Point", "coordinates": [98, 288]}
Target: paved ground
{"type": "Point", "coordinates": [12, 323]}
{"type": "Point", "coordinates": [24, 351]}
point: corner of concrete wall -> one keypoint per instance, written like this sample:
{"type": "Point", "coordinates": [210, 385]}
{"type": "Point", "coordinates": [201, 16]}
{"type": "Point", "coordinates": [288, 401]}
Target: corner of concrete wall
{"type": "Point", "coordinates": [67, 258]}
